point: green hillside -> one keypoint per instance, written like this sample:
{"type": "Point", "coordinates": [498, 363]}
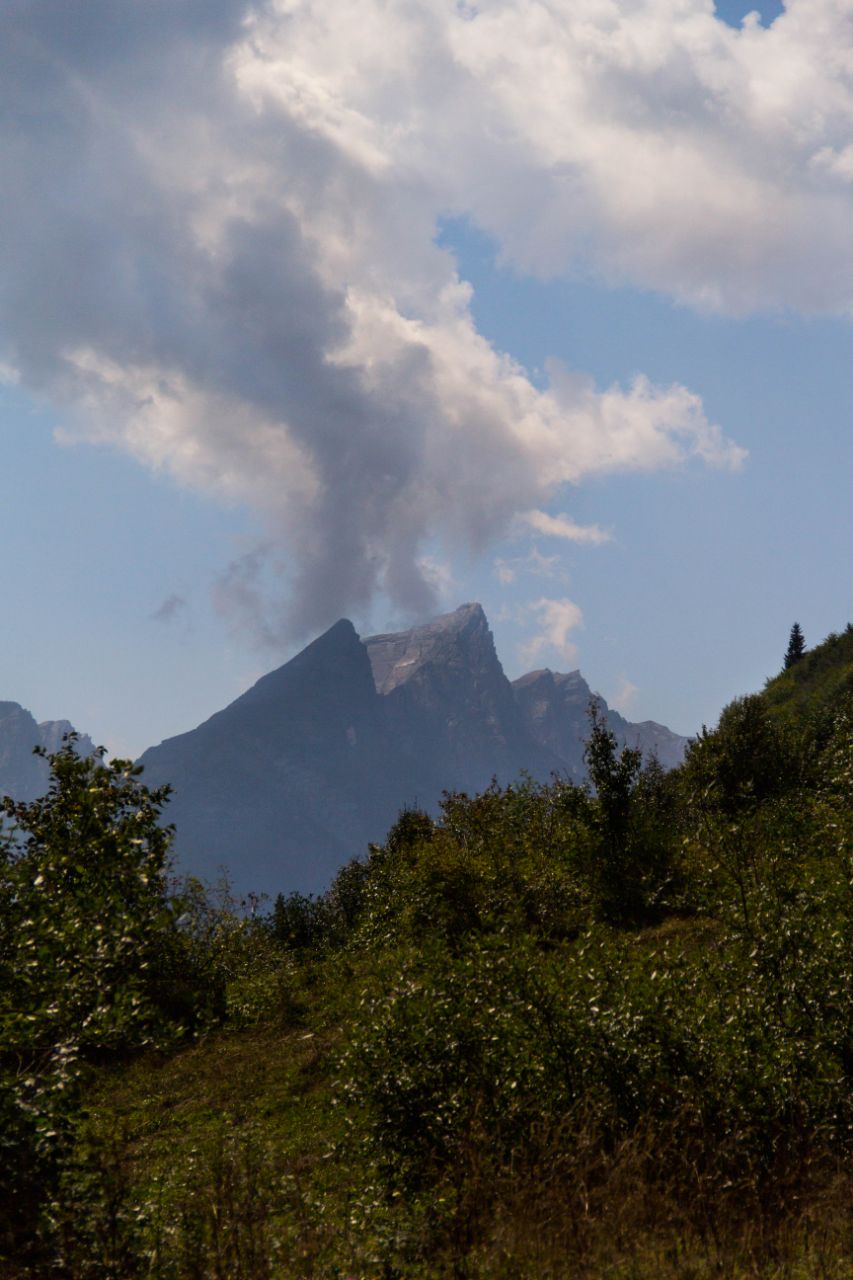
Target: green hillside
{"type": "Point", "coordinates": [559, 1032]}
{"type": "Point", "coordinates": [819, 684]}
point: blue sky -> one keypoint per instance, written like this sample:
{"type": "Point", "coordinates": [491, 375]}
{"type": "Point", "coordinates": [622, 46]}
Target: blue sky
{"type": "Point", "coordinates": [706, 570]}
{"type": "Point", "coordinates": [331, 313]}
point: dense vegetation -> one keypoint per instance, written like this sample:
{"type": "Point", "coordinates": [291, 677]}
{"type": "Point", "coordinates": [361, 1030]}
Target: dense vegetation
{"type": "Point", "coordinates": [557, 1032]}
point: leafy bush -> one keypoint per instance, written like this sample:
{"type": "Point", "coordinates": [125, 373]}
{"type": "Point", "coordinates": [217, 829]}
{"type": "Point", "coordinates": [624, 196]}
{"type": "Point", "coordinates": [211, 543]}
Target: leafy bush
{"type": "Point", "coordinates": [95, 965]}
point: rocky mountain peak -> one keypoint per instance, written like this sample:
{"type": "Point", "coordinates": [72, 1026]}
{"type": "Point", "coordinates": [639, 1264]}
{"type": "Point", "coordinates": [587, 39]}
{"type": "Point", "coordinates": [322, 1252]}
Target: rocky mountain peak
{"type": "Point", "coordinates": [554, 706]}
{"type": "Point", "coordinates": [331, 658]}
{"type": "Point", "coordinates": [396, 657]}
{"type": "Point", "coordinates": [448, 705]}
{"type": "Point", "coordinates": [551, 681]}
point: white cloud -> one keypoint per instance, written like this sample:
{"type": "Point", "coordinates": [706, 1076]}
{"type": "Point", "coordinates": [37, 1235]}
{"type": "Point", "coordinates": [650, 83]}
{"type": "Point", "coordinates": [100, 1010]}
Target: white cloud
{"type": "Point", "coordinates": [666, 148]}
{"type": "Point", "coordinates": [555, 619]}
{"type": "Point", "coordinates": [624, 697]}
{"type": "Point", "coordinates": [220, 246]}
{"type": "Point", "coordinates": [563, 526]}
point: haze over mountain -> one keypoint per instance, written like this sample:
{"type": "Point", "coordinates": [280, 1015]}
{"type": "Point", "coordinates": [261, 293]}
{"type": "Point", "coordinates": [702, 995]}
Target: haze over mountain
{"type": "Point", "coordinates": [316, 759]}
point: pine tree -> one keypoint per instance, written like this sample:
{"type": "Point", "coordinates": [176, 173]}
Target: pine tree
{"type": "Point", "coordinates": [796, 646]}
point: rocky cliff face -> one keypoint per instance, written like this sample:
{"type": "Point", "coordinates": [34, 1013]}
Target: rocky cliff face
{"type": "Point", "coordinates": [318, 758]}
{"type": "Point", "coordinates": [52, 732]}
{"type": "Point", "coordinates": [554, 709]}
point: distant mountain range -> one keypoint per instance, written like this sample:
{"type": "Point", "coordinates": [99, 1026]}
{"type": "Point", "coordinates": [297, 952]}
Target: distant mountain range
{"type": "Point", "coordinates": [317, 759]}
{"type": "Point", "coordinates": [22, 774]}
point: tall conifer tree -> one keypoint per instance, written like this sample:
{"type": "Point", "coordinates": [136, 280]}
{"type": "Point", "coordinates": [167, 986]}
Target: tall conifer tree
{"type": "Point", "coordinates": [796, 646]}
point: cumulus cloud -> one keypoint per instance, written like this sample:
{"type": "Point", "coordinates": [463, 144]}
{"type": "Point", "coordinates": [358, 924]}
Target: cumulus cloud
{"type": "Point", "coordinates": [220, 254]}
{"type": "Point", "coordinates": [555, 620]}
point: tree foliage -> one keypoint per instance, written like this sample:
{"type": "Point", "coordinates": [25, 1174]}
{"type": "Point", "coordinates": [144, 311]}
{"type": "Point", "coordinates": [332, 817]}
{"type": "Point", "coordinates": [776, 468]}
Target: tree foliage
{"type": "Point", "coordinates": [633, 858]}
{"type": "Point", "coordinates": [95, 965]}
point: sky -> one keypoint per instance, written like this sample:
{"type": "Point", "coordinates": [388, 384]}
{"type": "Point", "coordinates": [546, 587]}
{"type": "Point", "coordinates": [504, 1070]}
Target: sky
{"type": "Point", "coordinates": [355, 309]}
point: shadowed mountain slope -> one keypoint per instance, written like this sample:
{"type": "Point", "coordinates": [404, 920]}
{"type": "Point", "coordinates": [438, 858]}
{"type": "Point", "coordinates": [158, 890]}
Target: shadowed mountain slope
{"type": "Point", "coordinates": [291, 779]}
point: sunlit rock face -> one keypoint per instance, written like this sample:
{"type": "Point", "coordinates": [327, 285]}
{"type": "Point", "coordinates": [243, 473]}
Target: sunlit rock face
{"type": "Point", "coordinates": [317, 759]}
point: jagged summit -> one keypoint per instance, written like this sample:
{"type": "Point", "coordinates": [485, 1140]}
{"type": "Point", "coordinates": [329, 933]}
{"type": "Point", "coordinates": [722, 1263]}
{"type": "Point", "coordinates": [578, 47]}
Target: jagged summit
{"type": "Point", "coordinates": [554, 707]}
{"type": "Point", "coordinates": [448, 705]}
{"type": "Point", "coordinates": [396, 656]}
{"type": "Point", "coordinates": [545, 676]}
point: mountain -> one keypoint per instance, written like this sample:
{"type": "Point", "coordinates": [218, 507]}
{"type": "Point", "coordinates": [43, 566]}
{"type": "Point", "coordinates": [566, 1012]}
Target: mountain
{"type": "Point", "coordinates": [22, 774]}
{"type": "Point", "coordinates": [554, 706]}
{"type": "Point", "coordinates": [51, 733]}
{"type": "Point", "coordinates": [291, 779]}
{"type": "Point", "coordinates": [450, 709]}
{"type": "Point", "coordinates": [316, 760]}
